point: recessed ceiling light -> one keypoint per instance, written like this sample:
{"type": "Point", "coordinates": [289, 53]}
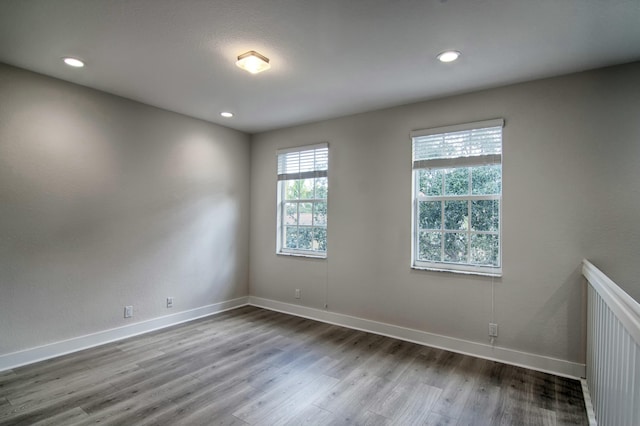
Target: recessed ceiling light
{"type": "Point", "coordinates": [253, 62]}
{"type": "Point", "coordinates": [448, 56]}
{"type": "Point", "coordinates": [226, 114]}
{"type": "Point", "coordinates": [73, 62]}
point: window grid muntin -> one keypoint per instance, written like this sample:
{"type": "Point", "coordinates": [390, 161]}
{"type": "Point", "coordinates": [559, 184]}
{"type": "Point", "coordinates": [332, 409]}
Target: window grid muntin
{"type": "Point", "coordinates": [469, 232]}
{"type": "Point", "coordinates": [442, 264]}
{"type": "Point", "coordinates": [314, 202]}
{"type": "Point", "coordinates": [283, 244]}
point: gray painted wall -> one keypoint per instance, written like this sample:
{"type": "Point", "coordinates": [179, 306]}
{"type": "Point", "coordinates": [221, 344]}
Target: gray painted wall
{"type": "Point", "coordinates": [571, 191]}
{"type": "Point", "coordinates": [106, 202]}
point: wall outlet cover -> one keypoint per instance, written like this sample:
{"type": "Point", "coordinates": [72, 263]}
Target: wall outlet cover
{"type": "Point", "coordinates": [493, 329]}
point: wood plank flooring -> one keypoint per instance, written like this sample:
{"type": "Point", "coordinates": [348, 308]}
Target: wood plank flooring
{"type": "Point", "coordinates": [257, 367]}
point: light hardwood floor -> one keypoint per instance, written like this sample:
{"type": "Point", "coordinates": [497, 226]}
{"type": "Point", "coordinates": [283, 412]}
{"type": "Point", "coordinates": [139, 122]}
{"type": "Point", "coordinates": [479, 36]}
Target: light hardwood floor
{"type": "Point", "coordinates": [254, 366]}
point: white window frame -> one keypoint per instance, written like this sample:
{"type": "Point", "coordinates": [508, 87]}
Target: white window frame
{"type": "Point", "coordinates": [285, 175]}
{"type": "Point", "coordinates": [449, 163]}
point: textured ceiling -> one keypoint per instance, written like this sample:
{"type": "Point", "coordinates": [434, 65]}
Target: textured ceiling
{"type": "Point", "coordinates": [329, 57]}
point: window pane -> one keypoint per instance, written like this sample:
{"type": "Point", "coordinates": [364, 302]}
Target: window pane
{"type": "Point", "coordinates": [298, 189]}
{"type": "Point", "coordinates": [321, 187]}
{"type": "Point", "coordinates": [485, 215]}
{"type": "Point", "coordinates": [291, 213]}
{"type": "Point", "coordinates": [291, 237]}
{"type": "Point", "coordinates": [320, 213]}
{"type": "Point", "coordinates": [304, 213]}
{"type": "Point", "coordinates": [456, 181]}
{"type": "Point", "coordinates": [305, 235]}
{"type": "Point", "coordinates": [455, 248]}
{"type": "Point", "coordinates": [430, 215]}
{"type": "Point", "coordinates": [430, 182]}
{"type": "Point", "coordinates": [292, 189]}
{"type": "Point", "coordinates": [486, 180]}
{"type": "Point", "coordinates": [429, 246]}
{"type": "Point", "coordinates": [306, 191]}
{"type": "Point", "coordinates": [456, 215]}
{"type": "Point", "coordinates": [320, 239]}
{"type": "Point", "coordinates": [484, 249]}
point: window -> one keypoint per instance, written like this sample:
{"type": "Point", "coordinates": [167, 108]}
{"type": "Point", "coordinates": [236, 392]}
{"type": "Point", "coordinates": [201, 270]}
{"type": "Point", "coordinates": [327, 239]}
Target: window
{"type": "Point", "coordinates": [302, 200]}
{"type": "Point", "coordinates": [457, 194]}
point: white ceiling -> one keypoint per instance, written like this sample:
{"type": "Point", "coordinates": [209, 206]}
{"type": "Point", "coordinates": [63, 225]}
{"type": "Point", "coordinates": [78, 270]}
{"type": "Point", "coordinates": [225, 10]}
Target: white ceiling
{"type": "Point", "coordinates": [329, 57]}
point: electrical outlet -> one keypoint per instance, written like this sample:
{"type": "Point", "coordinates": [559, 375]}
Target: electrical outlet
{"type": "Point", "coordinates": [493, 329]}
{"type": "Point", "coordinates": [128, 311]}
{"type": "Point", "coordinates": [297, 293]}
{"type": "Point", "coordinates": [169, 302]}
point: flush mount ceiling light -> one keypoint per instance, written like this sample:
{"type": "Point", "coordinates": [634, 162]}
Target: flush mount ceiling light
{"type": "Point", "coordinates": [73, 62]}
{"type": "Point", "coordinates": [253, 62]}
{"type": "Point", "coordinates": [226, 114]}
{"type": "Point", "coordinates": [448, 56]}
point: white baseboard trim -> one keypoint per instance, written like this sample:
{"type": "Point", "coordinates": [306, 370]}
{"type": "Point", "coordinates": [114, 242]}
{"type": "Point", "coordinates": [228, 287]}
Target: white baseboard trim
{"type": "Point", "coordinates": [508, 356]}
{"type": "Point", "coordinates": [52, 350]}
{"type": "Point", "coordinates": [542, 363]}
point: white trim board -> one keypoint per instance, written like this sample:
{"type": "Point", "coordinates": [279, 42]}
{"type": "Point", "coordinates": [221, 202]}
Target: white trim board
{"type": "Point", "coordinates": [481, 350]}
{"type": "Point", "coordinates": [587, 402]}
{"type": "Point", "coordinates": [531, 361]}
{"type": "Point", "coordinates": [52, 350]}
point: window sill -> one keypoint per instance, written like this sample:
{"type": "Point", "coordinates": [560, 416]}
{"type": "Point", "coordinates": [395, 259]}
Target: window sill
{"type": "Point", "coordinates": [307, 255]}
{"type": "Point", "coordinates": [458, 271]}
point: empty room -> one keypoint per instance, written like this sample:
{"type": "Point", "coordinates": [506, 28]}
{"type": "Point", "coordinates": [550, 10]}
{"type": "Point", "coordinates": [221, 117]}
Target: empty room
{"type": "Point", "coordinates": [319, 212]}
